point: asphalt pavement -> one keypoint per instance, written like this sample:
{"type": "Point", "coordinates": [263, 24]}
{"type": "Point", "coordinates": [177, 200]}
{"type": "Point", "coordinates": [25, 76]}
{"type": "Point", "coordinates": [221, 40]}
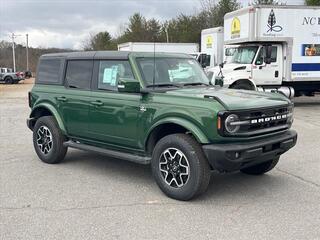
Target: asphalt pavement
{"type": "Point", "coordinates": [90, 196]}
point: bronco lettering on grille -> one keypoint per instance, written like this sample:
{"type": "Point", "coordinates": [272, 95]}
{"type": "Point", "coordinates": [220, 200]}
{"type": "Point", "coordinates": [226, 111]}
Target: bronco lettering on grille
{"type": "Point", "coordinates": [269, 119]}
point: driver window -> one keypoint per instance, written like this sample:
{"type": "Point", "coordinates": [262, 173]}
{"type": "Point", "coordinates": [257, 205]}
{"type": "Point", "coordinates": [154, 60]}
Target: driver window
{"type": "Point", "coordinates": [262, 54]}
{"type": "Point", "coordinates": [260, 57]}
{"type": "Point", "coordinates": [110, 71]}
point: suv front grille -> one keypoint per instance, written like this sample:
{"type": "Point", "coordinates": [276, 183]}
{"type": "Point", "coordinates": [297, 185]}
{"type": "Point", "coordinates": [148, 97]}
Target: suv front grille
{"type": "Point", "coordinates": [260, 121]}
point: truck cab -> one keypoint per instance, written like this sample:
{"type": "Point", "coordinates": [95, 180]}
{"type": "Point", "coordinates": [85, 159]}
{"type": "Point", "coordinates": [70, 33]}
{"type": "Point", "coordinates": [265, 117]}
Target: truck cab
{"type": "Point", "coordinates": [251, 61]}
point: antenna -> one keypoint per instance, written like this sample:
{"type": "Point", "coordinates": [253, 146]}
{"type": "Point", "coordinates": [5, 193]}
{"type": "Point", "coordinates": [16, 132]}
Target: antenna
{"type": "Point", "coordinates": [154, 64]}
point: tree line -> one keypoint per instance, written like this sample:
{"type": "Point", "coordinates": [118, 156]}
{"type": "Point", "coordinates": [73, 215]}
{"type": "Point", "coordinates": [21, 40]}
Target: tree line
{"type": "Point", "coordinates": [21, 59]}
{"type": "Point", "coordinates": [183, 28]}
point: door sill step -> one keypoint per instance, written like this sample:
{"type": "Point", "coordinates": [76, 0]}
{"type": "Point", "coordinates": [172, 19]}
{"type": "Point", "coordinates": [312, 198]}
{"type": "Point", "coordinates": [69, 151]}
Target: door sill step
{"type": "Point", "coordinates": [111, 153]}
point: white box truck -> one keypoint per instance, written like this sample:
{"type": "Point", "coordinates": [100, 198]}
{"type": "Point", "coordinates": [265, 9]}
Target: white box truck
{"type": "Point", "coordinates": [213, 51]}
{"type": "Point", "coordinates": [187, 48]}
{"type": "Point", "coordinates": [211, 47]}
{"type": "Point", "coordinates": [278, 49]}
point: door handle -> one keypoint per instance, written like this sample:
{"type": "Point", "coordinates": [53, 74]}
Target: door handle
{"type": "Point", "coordinates": [276, 74]}
{"type": "Point", "coordinates": [61, 98]}
{"type": "Point", "coordinates": [97, 103]}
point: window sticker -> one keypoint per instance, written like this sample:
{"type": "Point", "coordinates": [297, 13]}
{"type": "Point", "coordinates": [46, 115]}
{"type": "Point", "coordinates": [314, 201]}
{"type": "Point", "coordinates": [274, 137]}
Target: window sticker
{"type": "Point", "coordinates": [110, 75]}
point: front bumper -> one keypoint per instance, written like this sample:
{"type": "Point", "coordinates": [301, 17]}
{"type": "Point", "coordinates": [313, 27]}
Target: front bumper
{"type": "Point", "coordinates": [234, 156]}
{"type": "Point", "coordinates": [30, 123]}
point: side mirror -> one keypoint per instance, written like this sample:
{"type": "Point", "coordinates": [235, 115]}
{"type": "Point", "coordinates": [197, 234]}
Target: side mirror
{"type": "Point", "coordinates": [267, 59]}
{"type": "Point", "coordinates": [221, 65]}
{"type": "Point", "coordinates": [128, 85]}
{"type": "Point", "coordinates": [218, 81]}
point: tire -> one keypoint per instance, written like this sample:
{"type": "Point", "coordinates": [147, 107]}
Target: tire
{"type": "Point", "coordinates": [8, 80]}
{"type": "Point", "coordinates": [48, 140]}
{"type": "Point", "coordinates": [186, 157]}
{"type": "Point", "coordinates": [243, 86]}
{"type": "Point", "coordinates": [261, 168]}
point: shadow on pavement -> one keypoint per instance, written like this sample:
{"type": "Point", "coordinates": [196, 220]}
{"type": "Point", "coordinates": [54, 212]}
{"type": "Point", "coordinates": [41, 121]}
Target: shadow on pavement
{"type": "Point", "coordinates": [222, 186]}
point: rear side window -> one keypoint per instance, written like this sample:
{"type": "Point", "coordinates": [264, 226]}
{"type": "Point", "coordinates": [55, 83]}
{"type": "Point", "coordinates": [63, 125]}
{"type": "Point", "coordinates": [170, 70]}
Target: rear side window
{"type": "Point", "coordinates": [79, 74]}
{"type": "Point", "coordinates": [49, 71]}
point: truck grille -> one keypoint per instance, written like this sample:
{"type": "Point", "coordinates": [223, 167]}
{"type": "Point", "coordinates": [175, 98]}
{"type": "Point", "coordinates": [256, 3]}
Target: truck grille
{"type": "Point", "coordinates": [260, 121]}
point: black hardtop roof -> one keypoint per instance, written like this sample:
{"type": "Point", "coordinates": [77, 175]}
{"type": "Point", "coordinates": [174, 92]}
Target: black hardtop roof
{"type": "Point", "coordinates": [88, 54]}
{"type": "Point", "coordinates": [111, 55]}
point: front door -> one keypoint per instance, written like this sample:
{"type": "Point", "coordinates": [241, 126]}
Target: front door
{"type": "Point", "coordinates": [113, 115]}
{"type": "Point", "coordinates": [268, 74]}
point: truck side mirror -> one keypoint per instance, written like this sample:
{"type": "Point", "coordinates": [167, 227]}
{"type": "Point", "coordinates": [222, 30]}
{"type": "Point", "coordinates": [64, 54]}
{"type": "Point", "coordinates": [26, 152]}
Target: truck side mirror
{"type": "Point", "coordinates": [128, 85]}
{"type": "Point", "coordinates": [221, 65]}
{"type": "Point", "coordinates": [268, 54]}
{"type": "Point", "coordinates": [204, 60]}
{"type": "Point", "coordinates": [218, 81]}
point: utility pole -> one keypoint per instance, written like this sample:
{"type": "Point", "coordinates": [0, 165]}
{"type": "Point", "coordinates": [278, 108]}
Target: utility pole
{"type": "Point", "coordinates": [13, 36]}
{"type": "Point", "coordinates": [27, 36]}
{"type": "Point", "coordinates": [167, 34]}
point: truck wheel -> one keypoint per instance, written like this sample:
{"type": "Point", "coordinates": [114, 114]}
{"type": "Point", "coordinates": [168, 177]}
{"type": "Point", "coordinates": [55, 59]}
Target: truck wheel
{"type": "Point", "coordinates": [242, 85]}
{"type": "Point", "coordinates": [179, 167]}
{"type": "Point", "coordinates": [8, 80]}
{"type": "Point", "coordinates": [261, 168]}
{"type": "Point", "coordinates": [48, 140]}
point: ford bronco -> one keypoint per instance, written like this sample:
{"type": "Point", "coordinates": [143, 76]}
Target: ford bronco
{"type": "Point", "coordinates": [158, 109]}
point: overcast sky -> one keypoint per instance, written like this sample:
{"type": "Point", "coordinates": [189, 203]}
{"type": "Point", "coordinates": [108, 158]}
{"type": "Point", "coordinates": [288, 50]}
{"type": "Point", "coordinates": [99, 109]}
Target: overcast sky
{"type": "Point", "coordinates": [66, 23]}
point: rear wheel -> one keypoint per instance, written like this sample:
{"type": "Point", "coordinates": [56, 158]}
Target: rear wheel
{"type": "Point", "coordinates": [48, 140]}
{"type": "Point", "coordinates": [261, 168]}
{"type": "Point", "coordinates": [179, 167]}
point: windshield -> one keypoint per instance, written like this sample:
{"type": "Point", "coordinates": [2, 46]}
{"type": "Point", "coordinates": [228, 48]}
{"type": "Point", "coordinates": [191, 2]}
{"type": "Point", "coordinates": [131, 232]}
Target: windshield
{"type": "Point", "coordinates": [171, 71]}
{"type": "Point", "coordinates": [244, 55]}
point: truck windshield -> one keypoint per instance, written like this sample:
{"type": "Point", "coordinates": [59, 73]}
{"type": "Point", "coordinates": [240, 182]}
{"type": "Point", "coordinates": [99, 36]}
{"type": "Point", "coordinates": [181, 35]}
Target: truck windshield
{"type": "Point", "coordinates": [171, 72]}
{"type": "Point", "coordinates": [244, 55]}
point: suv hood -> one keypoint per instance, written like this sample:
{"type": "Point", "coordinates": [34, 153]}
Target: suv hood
{"type": "Point", "coordinates": [233, 99]}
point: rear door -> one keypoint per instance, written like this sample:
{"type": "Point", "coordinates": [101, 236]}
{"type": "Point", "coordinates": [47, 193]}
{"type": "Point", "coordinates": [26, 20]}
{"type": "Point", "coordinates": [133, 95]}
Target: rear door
{"type": "Point", "coordinates": [74, 102]}
{"type": "Point", "coordinates": [268, 74]}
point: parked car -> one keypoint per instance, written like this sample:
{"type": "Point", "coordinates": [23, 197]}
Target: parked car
{"type": "Point", "coordinates": [27, 74]}
{"type": "Point", "coordinates": [158, 109]}
{"type": "Point", "coordinates": [10, 77]}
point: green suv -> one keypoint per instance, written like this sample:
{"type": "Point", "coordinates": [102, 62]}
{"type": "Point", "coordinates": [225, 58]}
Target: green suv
{"type": "Point", "coordinates": [158, 109]}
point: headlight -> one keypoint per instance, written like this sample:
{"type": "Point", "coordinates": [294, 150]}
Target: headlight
{"type": "Point", "coordinates": [230, 123]}
{"type": "Point", "coordinates": [290, 115]}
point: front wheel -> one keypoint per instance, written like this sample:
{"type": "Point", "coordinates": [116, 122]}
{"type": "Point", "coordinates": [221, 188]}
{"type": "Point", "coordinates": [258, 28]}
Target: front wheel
{"type": "Point", "coordinates": [261, 168]}
{"type": "Point", "coordinates": [8, 80]}
{"type": "Point", "coordinates": [179, 167]}
{"type": "Point", "coordinates": [242, 86]}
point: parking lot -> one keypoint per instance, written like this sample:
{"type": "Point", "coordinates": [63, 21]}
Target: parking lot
{"type": "Point", "coordinates": [90, 196]}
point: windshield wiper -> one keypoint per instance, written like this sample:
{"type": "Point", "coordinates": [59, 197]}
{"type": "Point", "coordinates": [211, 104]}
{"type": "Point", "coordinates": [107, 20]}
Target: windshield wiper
{"type": "Point", "coordinates": [195, 84]}
{"type": "Point", "coordinates": [163, 85]}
